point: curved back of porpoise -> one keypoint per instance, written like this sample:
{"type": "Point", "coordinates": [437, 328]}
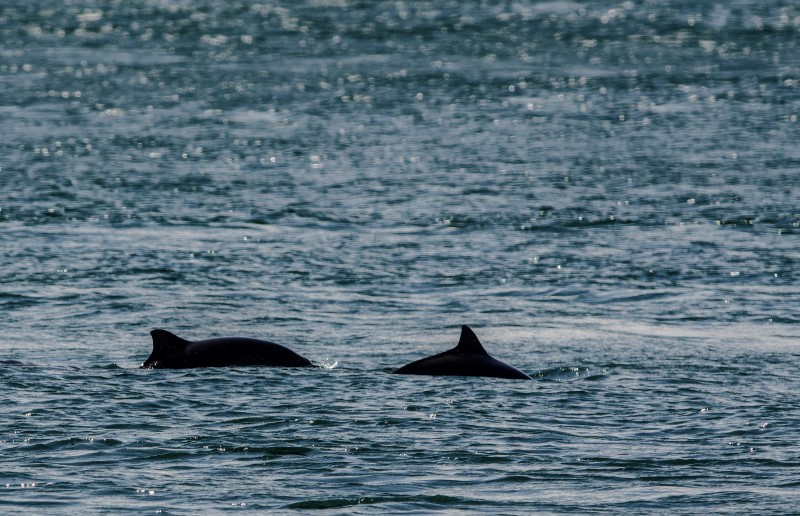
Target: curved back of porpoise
{"type": "Point", "coordinates": [171, 351]}
{"type": "Point", "coordinates": [468, 358]}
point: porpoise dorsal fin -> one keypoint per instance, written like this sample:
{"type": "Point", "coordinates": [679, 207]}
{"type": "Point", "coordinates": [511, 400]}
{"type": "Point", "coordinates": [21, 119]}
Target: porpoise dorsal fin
{"type": "Point", "coordinates": [166, 343]}
{"type": "Point", "coordinates": [469, 343]}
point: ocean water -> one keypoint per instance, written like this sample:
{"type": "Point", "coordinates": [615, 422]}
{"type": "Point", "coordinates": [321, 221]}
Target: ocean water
{"type": "Point", "coordinates": [608, 193]}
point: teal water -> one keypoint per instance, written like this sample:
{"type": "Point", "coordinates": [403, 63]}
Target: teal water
{"type": "Point", "coordinates": [608, 193]}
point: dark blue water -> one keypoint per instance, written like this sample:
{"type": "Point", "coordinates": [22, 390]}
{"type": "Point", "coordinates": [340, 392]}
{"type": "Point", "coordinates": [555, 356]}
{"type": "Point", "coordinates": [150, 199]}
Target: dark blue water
{"type": "Point", "coordinates": [607, 192]}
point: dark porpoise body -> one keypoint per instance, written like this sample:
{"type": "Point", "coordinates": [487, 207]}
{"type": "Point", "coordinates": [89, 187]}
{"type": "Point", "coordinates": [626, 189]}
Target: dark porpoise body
{"type": "Point", "coordinates": [173, 352]}
{"type": "Point", "coordinates": [468, 358]}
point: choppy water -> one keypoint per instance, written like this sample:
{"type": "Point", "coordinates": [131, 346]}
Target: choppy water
{"type": "Point", "coordinates": [607, 192]}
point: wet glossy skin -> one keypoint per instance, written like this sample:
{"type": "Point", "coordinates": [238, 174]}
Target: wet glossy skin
{"type": "Point", "coordinates": [468, 358]}
{"type": "Point", "coordinates": [170, 351]}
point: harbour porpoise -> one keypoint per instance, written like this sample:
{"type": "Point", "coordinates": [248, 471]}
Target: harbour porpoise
{"type": "Point", "coordinates": [468, 358]}
{"type": "Point", "coordinates": [173, 352]}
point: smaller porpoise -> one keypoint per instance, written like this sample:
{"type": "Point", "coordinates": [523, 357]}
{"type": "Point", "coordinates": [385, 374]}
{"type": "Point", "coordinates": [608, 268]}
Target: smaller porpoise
{"type": "Point", "coordinates": [468, 358]}
{"type": "Point", "coordinates": [173, 352]}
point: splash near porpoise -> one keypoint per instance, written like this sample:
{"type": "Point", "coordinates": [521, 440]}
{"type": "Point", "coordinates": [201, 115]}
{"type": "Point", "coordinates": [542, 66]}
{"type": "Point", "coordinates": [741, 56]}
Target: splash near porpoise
{"type": "Point", "coordinates": [468, 358]}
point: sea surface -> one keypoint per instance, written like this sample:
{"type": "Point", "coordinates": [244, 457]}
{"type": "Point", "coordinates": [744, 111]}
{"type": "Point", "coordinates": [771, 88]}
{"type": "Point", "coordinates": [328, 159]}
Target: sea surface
{"type": "Point", "coordinates": [607, 192]}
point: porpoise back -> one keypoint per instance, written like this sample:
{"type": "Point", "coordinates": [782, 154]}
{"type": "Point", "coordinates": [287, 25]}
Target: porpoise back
{"type": "Point", "coordinates": [173, 352]}
{"type": "Point", "coordinates": [468, 358]}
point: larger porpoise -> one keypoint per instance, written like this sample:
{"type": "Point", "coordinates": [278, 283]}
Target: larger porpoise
{"type": "Point", "coordinates": [173, 352]}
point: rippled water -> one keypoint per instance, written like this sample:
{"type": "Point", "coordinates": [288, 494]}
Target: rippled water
{"type": "Point", "coordinates": [608, 193]}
